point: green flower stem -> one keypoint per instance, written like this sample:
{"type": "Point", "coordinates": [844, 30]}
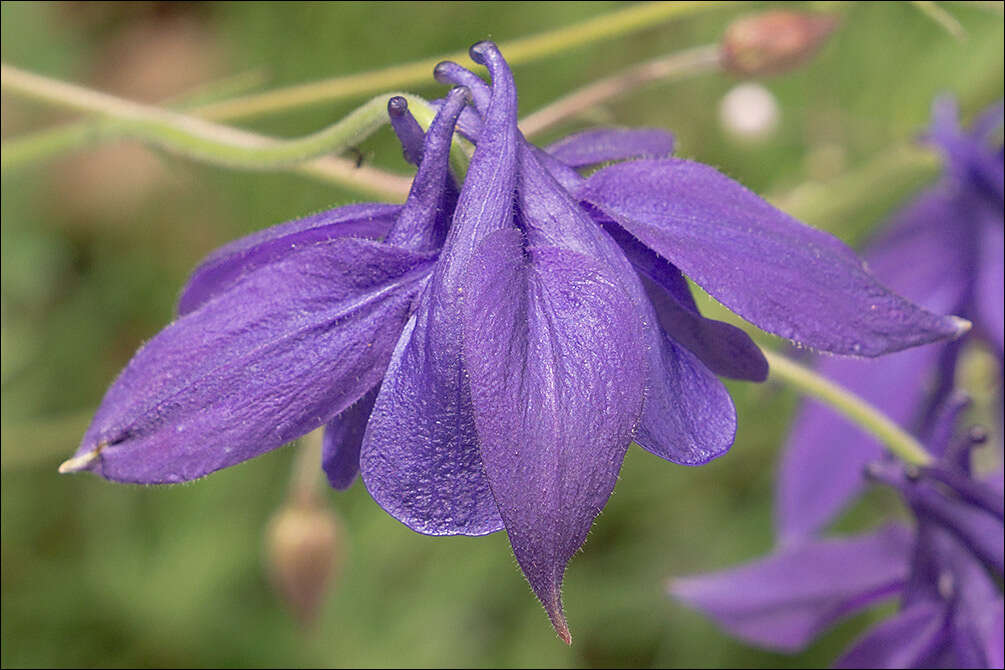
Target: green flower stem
{"type": "Point", "coordinates": [210, 142]}
{"type": "Point", "coordinates": [940, 16]}
{"type": "Point", "coordinates": [305, 479]}
{"type": "Point", "coordinates": [851, 406]}
{"type": "Point", "coordinates": [197, 138]}
{"type": "Point", "coordinates": [40, 146]}
{"type": "Point", "coordinates": [592, 31]}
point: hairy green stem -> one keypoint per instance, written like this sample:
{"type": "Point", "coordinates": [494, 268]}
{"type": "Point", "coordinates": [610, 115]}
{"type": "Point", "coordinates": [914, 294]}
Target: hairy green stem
{"type": "Point", "coordinates": [305, 479]}
{"type": "Point", "coordinates": [210, 142]}
{"type": "Point", "coordinates": [851, 406]}
{"type": "Point", "coordinates": [198, 138]}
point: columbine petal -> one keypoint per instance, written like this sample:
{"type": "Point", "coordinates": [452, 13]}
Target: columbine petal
{"type": "Point", "coordinates": [689, 417]}
{"type": "Point", "coordinates": [785, 600]}
{"type": "Point", "coordinates": [408, 130]}
{"type": "Point", "coordinates": [782, 276]}
{"type": "Point", "coordinates": [975, 528]}
{"type": "Point", "coordinates": [342, 440]}
{"type": "Point", "coordinates": [724, 349]}
{"type": "Point", "coordinates": [420, 458]}
{"type": "Point", "coordinates": [229, 263]}
{"type": "Point", "coordinates": [602, 145]}
{"type": "Point", "coordinates": [276, 355]}
{"type": "Point", "coordinates": [424, 220]}
{"type": "Point", "coordinates": [911, 639]}
{"type": "Point", "coordinates": [554, 351]}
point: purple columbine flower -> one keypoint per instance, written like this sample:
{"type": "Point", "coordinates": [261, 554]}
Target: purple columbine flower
{"type": "Point", "coordinates": [495, 381]}
{"type": "Point", "coordinates": [945, 251]}
{"type": "Point", "coordinates": [951, 610]}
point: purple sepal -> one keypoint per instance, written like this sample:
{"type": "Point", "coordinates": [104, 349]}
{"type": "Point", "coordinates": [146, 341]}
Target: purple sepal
{"type": "Point", "coordinates": [222, 268]}
{"type": "Point", "coordinates": [777, 273]}
{"type": "Point", "coordinates": [557, 371]}
{"type": "Point", "coordinates": [724, 349]}
{"type": "Point", "coordinates": [342, 440]}
{"type": "Point", "coordinates": [603, 145]}
{"type": "Point", "coordinates": [785, 600]}
{"type": "Point", "coordinates": [283, 350]}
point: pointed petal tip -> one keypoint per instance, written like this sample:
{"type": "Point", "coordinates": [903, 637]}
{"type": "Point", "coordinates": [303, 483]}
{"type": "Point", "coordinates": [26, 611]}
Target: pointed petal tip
{"type": "Point", "coordinates": [80, 462]}
{"type": "Point", "coordinates": [962, 325]}
{"type": "Point", "coordinates": [551, 597]}
{"type": "Point", "coordinates": [560, 625]}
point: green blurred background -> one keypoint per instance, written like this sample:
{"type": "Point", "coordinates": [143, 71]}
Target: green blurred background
{"type": "Point", "coordinates": [96, 245]}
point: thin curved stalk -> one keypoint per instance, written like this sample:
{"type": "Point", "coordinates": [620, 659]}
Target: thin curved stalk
{"type": "Point", "coordinates": [207, 141]}
{"type": "Point", "coordinates": [897, 440]}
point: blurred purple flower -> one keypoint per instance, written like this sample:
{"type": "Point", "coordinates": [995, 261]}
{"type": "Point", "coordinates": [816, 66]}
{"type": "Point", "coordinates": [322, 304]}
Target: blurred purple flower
{"type": "Point", "coordinates": [951, 610]}
{"type": "Point", "coordinates": [493, 375]}
{"type": "Point", "coordinates": [945, 251]}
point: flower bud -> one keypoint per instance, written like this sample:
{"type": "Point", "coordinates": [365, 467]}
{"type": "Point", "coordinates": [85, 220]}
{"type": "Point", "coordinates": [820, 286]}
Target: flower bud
{"type": "Point", "coordinates": [774, 41]}
{"type": "Point", "coordinates": [303, 554]}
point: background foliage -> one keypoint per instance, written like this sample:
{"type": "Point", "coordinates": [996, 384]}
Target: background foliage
{"type": "Point", "coordinates": [96, 245]}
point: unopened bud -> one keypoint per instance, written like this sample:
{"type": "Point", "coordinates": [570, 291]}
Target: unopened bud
{"type": "Point", "coordinates": [303, 553]}
{"type": "Point", "coordinates": [774, 41]}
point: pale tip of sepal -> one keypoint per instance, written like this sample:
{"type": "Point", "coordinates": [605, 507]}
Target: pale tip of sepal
{"type": "Point", "coordinates": [563, 633]}
{"type": "Point", "coordinates": [80, 462]}
{"type": "Point", "coordinates": [962, 325]}
{"type": "Point", "coordinates": [558, 621]}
